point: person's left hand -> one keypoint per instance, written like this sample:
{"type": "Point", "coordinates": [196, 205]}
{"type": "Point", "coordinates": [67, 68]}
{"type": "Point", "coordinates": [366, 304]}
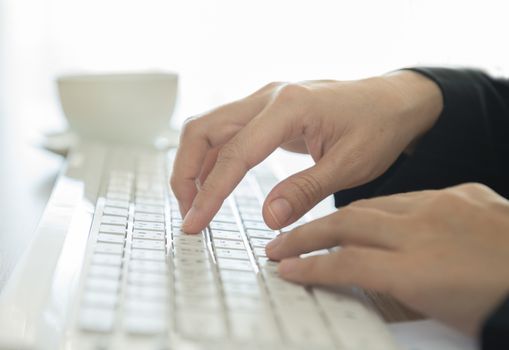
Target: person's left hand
{"type": "Point", "coordinates": [444, 253]}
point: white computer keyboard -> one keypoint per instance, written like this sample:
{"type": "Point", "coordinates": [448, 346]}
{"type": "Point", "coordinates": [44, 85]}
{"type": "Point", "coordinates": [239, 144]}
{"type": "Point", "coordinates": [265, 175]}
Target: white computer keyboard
{"type": "Point", "coordinates": [145, 279]}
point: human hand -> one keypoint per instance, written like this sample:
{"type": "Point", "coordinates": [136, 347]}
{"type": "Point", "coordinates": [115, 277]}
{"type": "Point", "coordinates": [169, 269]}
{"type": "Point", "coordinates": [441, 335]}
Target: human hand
{"type": "Point", "coordinates": [444, 253]}
{"type": "Point", "coordinates": [353, 130]}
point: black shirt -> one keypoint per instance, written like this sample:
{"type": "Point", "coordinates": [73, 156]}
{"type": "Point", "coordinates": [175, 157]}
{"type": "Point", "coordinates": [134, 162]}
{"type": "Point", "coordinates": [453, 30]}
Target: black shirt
{"type": "Point", "coordinates": [468, 143]}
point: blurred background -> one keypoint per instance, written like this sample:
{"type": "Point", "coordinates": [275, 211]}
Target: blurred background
{"type": "Point", "coordinates": [222, 49]}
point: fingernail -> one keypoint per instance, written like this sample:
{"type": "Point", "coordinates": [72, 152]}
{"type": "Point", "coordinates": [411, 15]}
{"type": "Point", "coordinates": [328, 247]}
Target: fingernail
{"type": "Point", "coordinates": [273, 244]}
{"type": "Point", "coordinates": [281, 211]}
{"type": "Point", "coordinates": [287, 267]}
{"type": "Point", "coordinates": [188, 219]}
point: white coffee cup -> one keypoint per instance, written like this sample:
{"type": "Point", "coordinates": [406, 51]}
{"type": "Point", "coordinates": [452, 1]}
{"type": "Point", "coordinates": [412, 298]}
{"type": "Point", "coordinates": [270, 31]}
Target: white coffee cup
{"type": "Point", "coordinates": [132, 108]}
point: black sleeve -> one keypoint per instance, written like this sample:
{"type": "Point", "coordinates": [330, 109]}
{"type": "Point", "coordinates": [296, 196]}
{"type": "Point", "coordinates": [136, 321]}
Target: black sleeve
{"type": "Point", "coordinates": [468, 143]}
{"type": "Point", "coordinates": [495, 332]}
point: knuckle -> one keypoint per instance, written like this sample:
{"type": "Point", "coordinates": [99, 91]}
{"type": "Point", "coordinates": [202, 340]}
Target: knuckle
{"type": "Point", "coordinates": [309, 268]}
{"type": "Point", "coordinates": [293, 94]}
{"type": "Point", "coordinates": [346, 259]}
{"type": "Point", "coordinates": [268, 88]}
{"type": "Point", "coordinates": [308, 189]}
{"type": "Point", "coordinates": [447, 197]}
{"type": "Point", "coordinates": [191, 126]}
{"type": "Point", "coordinates": [340, 218]}
{"type": "Point", "coordinates": [345, 212]}
{"type": "Point", "coordinates": [474, 188]}
{"type": "Point", "coordinates": [273, 85]}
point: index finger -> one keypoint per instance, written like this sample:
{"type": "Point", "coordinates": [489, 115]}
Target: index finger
{"type": "Point", "coordinates": [273, 126]}
{"type": "Point", "coordinates": [200, 135]}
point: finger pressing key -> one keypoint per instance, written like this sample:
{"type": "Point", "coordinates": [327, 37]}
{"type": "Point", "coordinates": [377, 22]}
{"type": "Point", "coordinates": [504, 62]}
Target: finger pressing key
{"type": "Point", "coordinates": [248, 147]}
{"type": "Point", "coordinates": [202, 134]}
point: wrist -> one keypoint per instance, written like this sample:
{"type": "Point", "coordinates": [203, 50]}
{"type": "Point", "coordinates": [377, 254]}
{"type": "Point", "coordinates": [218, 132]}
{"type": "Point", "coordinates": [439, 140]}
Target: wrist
{"type": "Point", "coordinates": [421, 102]}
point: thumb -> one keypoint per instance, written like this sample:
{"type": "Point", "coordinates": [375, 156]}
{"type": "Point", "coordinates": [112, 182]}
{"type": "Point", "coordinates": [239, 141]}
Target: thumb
{"type": "Point", "coordinates": [296, 195]}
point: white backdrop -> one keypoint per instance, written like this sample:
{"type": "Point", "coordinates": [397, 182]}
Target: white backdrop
{"type": "Point", "coordinates": [224, 49]}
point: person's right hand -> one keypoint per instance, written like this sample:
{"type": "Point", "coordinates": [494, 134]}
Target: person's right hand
{"type": "Point", "coordinates": [354, 131]}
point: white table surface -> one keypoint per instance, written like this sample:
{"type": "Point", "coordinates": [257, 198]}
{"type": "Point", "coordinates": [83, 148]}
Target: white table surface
{"type": "Point", "coordinates": [27, 175]}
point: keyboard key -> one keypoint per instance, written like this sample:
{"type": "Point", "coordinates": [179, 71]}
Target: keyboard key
{"type": "Point", "coordinates": [252, 217]}
{"type": "Point", "coordinates": [247, 202]}
{"type": "Point", "coordinates": [189, 241]}
{"type": "Point", "coordinates": [148, 244]}
{"type": "Point", "coordinates": [202, 261]}
{"type": "Point", "coordinates": [239, 303]}
{"type": "Point", "coordinates": [116, 211]}
{"type": "Point", "coordinates": [110, 238]}
{"type": "Point", "coordinates": [227, 244]}
{"type": "Point", "coordinates": [191, 269]}
{"type": "Point", "coordinates": [95, 319]}
{"type": "Point", "coordinates": [261, 234]}
{"type": "Point", "coordinates": [202, 290]}
{"type": "Point", "coordinates": [234, 264]}
{"type": "Point", "coordinates": [118, 196]}
{"type": "Point", "coordinates": [193, 303]}
{"type": "Point", "coordinates": [107, 259]}
{"type": "Point", "coordinates": [149, 217]}
{"type": "Point", "coordinates": [259, 252]}
{"type": "Point", "coordinates": [147, 292]}
{"type": "Point", "coordinates": [229, 218]}
{"type": "Point", "coordinates": [232, 254]}
{"type": "Point", "coordinates": [224, 226]}
{"type": "Point", "coordinates": [110, 272]}
{"type": "Point", "coordinates": [147, 307]}
{"type": "Point", "coordinates": [138, 278]}
{"type": "Point", "coordinates": [196, 275]}
{"type": "Point", "coordinates": [221, 234]}
{"type": "Point", "coordinates": [149, 201]}
{"type": "Point", "coordinates": [149, 209]}
{"type": "Point", "coordinates": [149, 194]}
{"type": "Point", "coordinates": [119, 230]}
{"type": "Point", "coordinates": [114, 220]}
{"type": "Point", "coordinates": [266, 263]}
{"type": "Point", "coordinates": [256, 225]}
{"type": "Point", "coordinates": [151, 226]}
{"type": "Point", "coordinates": [259, 327]}
{"type": "Point", "coordinates": [143, 254]}
{"type": "Point", "coordinates": [120, 187]}
{"type": "Point", "coordinates": [225, 210]}
{"type": "Point", "coordinates": [91, 298]}
{"type": "Point", "coordinates": [250, 211]}
{"type": "Point", "coordinates": [259, 242]}
{"type": "Point", "coordinates": [237, 276]}
{"type": "Point", "coordinates": [117, 203]}
{"type": "Point", "coordinates": [134, 324]}
{"type": "Point", "coordinates": [244, 289]}
{"type": "Point", "coordinates": [143, 234]}
{"type": "Point", "coordinates": [210, 326]}
{"type": "Point", "coordinates": [109, 248]}
{"type": "Point", "coordinates": [102, 285]}
{"type": "Point", "coordinates": [194, 252]}
{"type": "Point", "coordinates": [148, 266]}
{"type": "Point", "coordinates": [305, 328]}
